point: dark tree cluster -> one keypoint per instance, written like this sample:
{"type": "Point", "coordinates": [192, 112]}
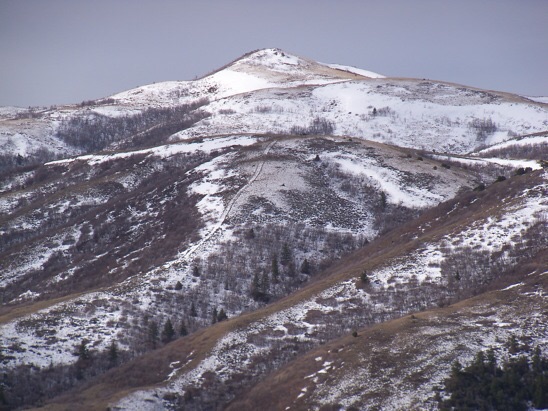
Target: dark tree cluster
{"type": "Point", "coordinates": [486, 385]}
{"type": "Point", "coordinates": [529, 151]}
{"type": "Point", "coordinates": [28, 385]}
{"type": "Point", "coordinates": [382, 112]}
{"type": "Point", "coordinates": [319, 126]}
{"type": "Point", "coordinates": [17, 162]}
{"type": "Point", "coordinates": [93, 132]}
{"type": "Point", "coordinates": [483, 127]}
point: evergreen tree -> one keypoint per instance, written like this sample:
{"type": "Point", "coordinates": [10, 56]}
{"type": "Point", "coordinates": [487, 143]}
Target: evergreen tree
{"type": "Point", "coordinates": [491, 362]}
{"type": "Point", "coordinates": [305, 267]}
{"type": "Point", "coordinates": [513, 345]}
{"type": "Point", "coordinates": [193, 312]}
{"type": "Point", "coordinates": [255, 288]}
{"type": "Point", "coordinates": [290, 269]}
{"type": "Point", "coordinates": [383, 201]}
{"type": "Point", "coordinates": [265, 283]}
{"type": "Point", "coordinates": [539, 368]}
{"type": "Point", "coordinates": [168, 332]}
{"type": "Point", "coordinates": [182, 329]}
{"type": "Point", "coordinates": [214, 316]}
{"type": "Point", "coordinates": [260, 287]}
{"type": "Point", "coordinates": [153, 334]}
{"type": "Point", "coordinates": [484, 385]}
{"type": "Point", "coordinates": [250, 234]}
{"type": "Point", "coordinates": [222, 315]}
{"type": "Point", "coordinates": [537, 360]}
{"type": "Point", "coordinates": [540, 392]}
{"type": "Point", "coordinates": [275, 270]}
{"type": "Point", "coordinates": [84, 359]}
{"type": "Point", "coordinates": [3, 400]}
{"type": "Point", "coordinates": [83, 351]}
{"type": "Point", "coordinates": [364, 278]}
{"type": "Point", "coordinates": [285, 256]}
{"type": "Point", "coordinates": [113, 354]}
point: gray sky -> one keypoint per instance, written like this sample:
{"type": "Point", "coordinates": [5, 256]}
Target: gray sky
{"type": "Point", "coordinates": [66, 51]}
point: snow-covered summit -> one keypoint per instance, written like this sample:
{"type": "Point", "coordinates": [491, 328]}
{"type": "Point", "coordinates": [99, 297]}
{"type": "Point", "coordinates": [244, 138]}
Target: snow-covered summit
{"type": "Point", "coordinates": [273, 59]}
{"type": "Point", "coordinates": [272, 91]}
{"type": "Point", "coordinates": [279, 61]}
{"type": "Point", "coordinates": [262, 69]}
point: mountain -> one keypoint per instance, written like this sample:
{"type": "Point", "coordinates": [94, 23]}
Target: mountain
{"type": "Point", "coordinates": [271, 91]}
{"type": "Point", "coordinates": [25, 131]}
{"type": "Point", "coordinates": [264, 213]}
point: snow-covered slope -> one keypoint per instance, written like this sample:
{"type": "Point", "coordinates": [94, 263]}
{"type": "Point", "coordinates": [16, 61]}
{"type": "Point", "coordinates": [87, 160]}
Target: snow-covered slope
{"type": "Point", "coordinates": [272, 91]}
{"type": "Point", "coordinates": [330, 376]}
{"type": "Point", "coordinates": [409, 113]}
{"type": "Point", "coordinates": [538, 142]}
{"type": "Point", "coordinates": [487, 237]}
{"type": "Point", "coordinates": [233, 192]}
{"type": "Point", "coordinates": [361, 72]}
{"type": "Point", "coordinates": [268, 68]}
{"type": "Point", "coordinates": [334, 186]}
{"type": "Point", "coordinates": [263, 69]}
{"type": "Point", "coordinates": [402, 364]}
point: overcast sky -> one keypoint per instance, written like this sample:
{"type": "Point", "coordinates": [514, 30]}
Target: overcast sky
{"type": "Point", "coordinates": [66, 51]}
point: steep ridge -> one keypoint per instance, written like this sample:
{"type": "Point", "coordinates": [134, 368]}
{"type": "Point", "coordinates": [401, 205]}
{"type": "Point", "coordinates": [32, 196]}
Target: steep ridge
{"type": "Point", "coordinates": [493, 239]}
{"type": "Point", "coordinates": [402, 364]}
{"type": "Point", "coordinates": [262, 69]}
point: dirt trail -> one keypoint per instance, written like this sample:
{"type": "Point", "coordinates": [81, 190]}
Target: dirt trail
{"type": "Point", "coordinates": [188, 254]}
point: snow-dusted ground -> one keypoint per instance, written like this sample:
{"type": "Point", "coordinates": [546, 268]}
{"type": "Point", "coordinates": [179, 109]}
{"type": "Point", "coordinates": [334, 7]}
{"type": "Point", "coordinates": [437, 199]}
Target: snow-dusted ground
{"type": "Point", "coordinates": [538, 99]}
{"type": "Point", "coordinates": [234, 351]}
{"type": "Point", "coordinates": [269, 68]}
{"type": "Point", "coordinates": [272, 91]}
{"type": "Point", "coordinates": [422, 115]}
{"type": "Point", "coordinates": [263, 69]}
{"type": "Point", "coordinates": [513, 163]}
{"type": "Point", "coordinates": [26, 136]}
{"type": "Point", "coordinates": [206, 145]}
{"type": "Point", "coordinates": [33, 259]}
{"type": "Point", "coordinates": [469, 331]}
{"type": "Point", "coordinates": [361, 72]}
{"type": "Point", "coordinates": [270, 170]}
{"type": "Point", "coordinates": [526, 141]}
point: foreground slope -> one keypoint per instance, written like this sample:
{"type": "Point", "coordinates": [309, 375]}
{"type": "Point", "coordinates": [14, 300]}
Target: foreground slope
{"type": "Point", "coordinates": [492, 239]}
{"type": "Point", "coordinates": [133, 225]}
{"type": "Point", "coordinates": [401, 364]}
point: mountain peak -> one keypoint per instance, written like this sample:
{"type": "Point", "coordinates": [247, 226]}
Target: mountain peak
{"type": "Point", "coordinates": [277, 60]}
{"type": "Point", "coordinates": [274, 59]}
